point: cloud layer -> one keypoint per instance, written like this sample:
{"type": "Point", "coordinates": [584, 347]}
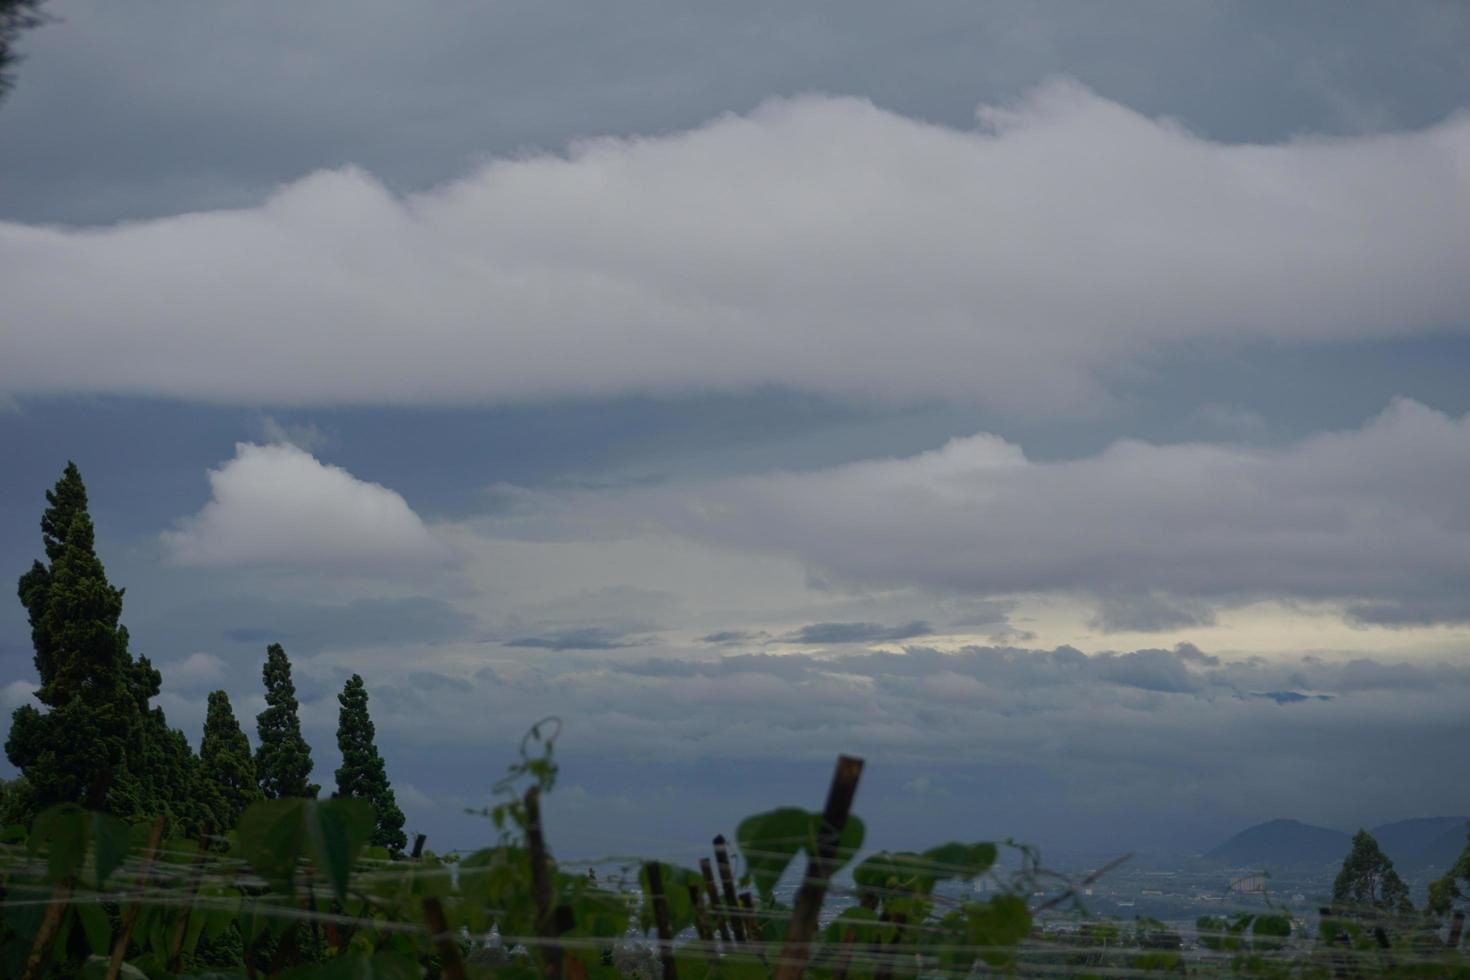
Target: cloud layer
{"type": "Point", "coordinates": [1374, 517]}
{"type": "Point", "coordinates": [279, 505]}
{"type": "Point", "coordinates": [818, 243]}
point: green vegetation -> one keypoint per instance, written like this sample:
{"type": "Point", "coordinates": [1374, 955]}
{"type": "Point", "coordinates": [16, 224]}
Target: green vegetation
{"type": "Point", "coordinates": [362, 774]}
{"type": "Point", "coordinates": [225, 756]}
{"type": "Point", "coordinates": [1368, 881]}
{"type": "Point", "coordinates": [283, 760]}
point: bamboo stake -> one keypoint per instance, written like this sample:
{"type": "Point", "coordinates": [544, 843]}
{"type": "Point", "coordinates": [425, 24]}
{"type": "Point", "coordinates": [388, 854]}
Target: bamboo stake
{"type": "Point", "coordinates": [808, 905]}
{"type": "Point", "coordinates": [196, 874]}
{"type": "Point", "coordinates": [722, 858]}
{"type": "Point", "coordinates": [130, 915]}
{"type": "Point", "coordinates": [550, 922]}
{"type": "Point", "coordinates": [661, 920]}
{"type": "Point", "coordinates": [714, 899]}
{"type": "Point", "coordinates": [46, 935]}
{"type": "Point", "coordinates": [451, 963]}
{"type": "Point", "coordinates": [701, 918]}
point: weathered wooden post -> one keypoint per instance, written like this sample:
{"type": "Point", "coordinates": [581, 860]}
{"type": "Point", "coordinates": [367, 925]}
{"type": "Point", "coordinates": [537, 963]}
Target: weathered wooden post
{"type": "Point", "coordinates": [714, 898]}
{"type": "Point", "coordinates": [727, 880]}
{"type": "Point", "coordinates": [661, 920]}
{"type": "Point", "coordinates": [808, 905]}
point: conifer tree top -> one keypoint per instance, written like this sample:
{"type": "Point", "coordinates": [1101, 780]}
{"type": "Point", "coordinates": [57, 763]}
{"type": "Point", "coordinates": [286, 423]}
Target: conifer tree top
{"type": "Point", "coordinates": [362, 773]}
{"type": "Point", "coordinates": [67, 499]}
{"type": "Point", "coordinates": [283, 760]}
{"type": "Point", "coordinates": [226, 761]}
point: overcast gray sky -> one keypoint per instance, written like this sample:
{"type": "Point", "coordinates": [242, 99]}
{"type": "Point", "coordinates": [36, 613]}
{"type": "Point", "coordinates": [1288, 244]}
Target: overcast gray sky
{"type": "Point", "coordinates": [1023, 395]}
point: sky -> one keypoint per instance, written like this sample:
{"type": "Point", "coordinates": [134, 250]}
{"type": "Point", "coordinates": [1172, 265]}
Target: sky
{"type": "Point", "coordinates": [1059, 405]}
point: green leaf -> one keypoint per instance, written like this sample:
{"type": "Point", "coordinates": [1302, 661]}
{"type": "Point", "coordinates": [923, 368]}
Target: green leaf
{"type": "Point", "coordinates": [338, 831]}
{"type": "Point", "coordinates": [276, 834]}
{"type": "Point", "coordinates": [997, 926]}
{"type": "Point", "coordinates": [95, 926]}
{"type": "Point", "coordinates": [890, 874]}
{"type": "Point", "coordinates": [497, 878]}
{"type": "Point", "coordinates": [63, 831]}
{"type": "Point", "coordinates": [863, 923]}
{"type": "Point", "coordinates": [676, 896]}
{"type": "Point", "coordinates": [956, 861]}
{"type": "Point", "coordinates": [768, 841]}
{"type": "Point", "coordinates": [1270, 931]}
{"type": "Point", "coordinates": [111, 839]}
{"type": "Point", "coordinates": [358, 966]}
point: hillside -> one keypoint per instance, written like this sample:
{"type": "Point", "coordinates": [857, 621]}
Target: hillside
{"type": "Point", "coordinates": [1281, 843]}
{"type": "Point", "coordinates": [1426, 844]}
{"type": "Point", "coordinates": [1418, 847]}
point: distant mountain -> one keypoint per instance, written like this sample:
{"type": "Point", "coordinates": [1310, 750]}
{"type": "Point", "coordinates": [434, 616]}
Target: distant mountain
{"type": "Point", "coordinates": [1419, 848]}
{"type": "Point", "coordinates": [1425, 845]}
{"type": "Point", "coordinates": [1282, 843]}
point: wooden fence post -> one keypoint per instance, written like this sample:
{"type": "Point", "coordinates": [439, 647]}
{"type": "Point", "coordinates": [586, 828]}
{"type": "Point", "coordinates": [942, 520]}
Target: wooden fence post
{"type": "Point", "coordinates": [450, 962]}
{"type": "Point", "coordinates": [727, 880]}
{"type": "Point", "coordinates": [714, 898]}
{"type": "Point", "coordinates": [808, 904]}
{"type": "Point", "coordinates": [661, 920]}
{"type": "Point", "coordinates": [130, 916]}
{"type": "Point", "coordinates": [196, 874]}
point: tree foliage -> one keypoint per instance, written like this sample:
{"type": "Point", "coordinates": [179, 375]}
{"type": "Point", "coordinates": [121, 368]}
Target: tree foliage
{"type": "Point", "coordinates": [282, 759]}
{"type": "Point", "coordinates": [87, 678]}
{"type": "Point", "coordinates": [15, 16]}
{"type": "Point", "coordinates": [1368, 881]}
{"type": "Point", "coordinates": [362, 774]}
{"type": "Point", "coordinates": [1444, 890]}
{"type": "Point", "coordinates": [99, 740]}
{"type": "Point", "coordinates": [227, 763]}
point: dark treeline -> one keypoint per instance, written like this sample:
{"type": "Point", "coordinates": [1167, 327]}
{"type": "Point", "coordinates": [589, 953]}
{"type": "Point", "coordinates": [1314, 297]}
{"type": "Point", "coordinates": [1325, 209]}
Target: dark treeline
{"type": "Point", "coordinates": [101, 743]}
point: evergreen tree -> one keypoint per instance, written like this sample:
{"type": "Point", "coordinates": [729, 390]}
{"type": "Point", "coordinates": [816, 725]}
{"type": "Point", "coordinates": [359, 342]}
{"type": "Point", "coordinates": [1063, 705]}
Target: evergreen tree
{"type": "Point", "coordinates": [362, 774]}
{"type": "Point", "coordinates": [15, 16]}
{"type": "Point", "coordinates": [225, 758]}
{"type": "Point", "coordinates": [1368, 881]}
{"type": "Point", "coordinates": [75, 750]}
{"type": "Point", "coordinates": [1443, 891]}
{"type": "Point", "coordinates": [283, 759]}
{"type": "Point", "coordinates": [99, 740]}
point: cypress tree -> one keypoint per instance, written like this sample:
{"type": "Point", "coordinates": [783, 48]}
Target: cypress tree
{"type": "Point", "coordinates": [363, 774]}
{"type": "Point", "coordinates": [1368, 881]}
{"type": "Point", "coordinates": [226, 761]}
{"type": "Point", "coordinates": [99, 738]}
{"type": "Point", "coordinates": [74, 751]}
{"type": "Point", "coordinates": [283, 759]}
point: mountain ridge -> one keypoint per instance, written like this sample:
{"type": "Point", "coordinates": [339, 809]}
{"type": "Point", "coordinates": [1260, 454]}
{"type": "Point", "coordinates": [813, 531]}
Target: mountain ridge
{"type": "Point", "coordinates": [1416, 845]}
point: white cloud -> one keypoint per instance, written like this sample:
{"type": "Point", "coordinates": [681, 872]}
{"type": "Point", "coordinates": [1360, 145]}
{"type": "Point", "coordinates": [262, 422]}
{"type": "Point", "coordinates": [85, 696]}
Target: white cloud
{"type": "Point", "coordinates": [197, 670]}
{"type": "Point", "coordinates": [279, 505]}
{"type": "Point", "coordinates": [1375, 517]}
{"type": "Point", "coordinates": [819, 243]}
{"type": "Point", "coordinates": [17, 693]}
